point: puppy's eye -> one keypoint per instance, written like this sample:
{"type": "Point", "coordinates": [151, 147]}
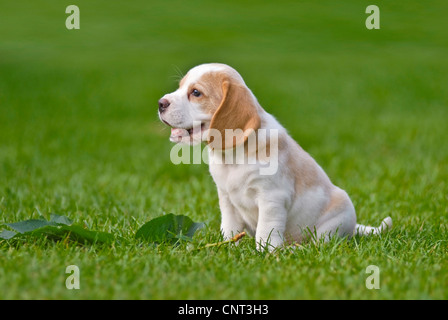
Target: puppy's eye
{"type": "Point", "coordinates": [196, 93]}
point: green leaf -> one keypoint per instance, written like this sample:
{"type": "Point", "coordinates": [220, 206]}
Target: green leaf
{"type": "Point", "coordinates": [168, 228]}
{"type": "Point", "coordinates": [60, 219]}
{"type": "Point", "coordinates": [33, 224]}
{"type": "Point", "coordinates": [6, 234]}
{"type": "Point", "coordinates": [29, 225]}
{"type": "Point", "coordinates": [74, 233]}
{"type": "Point", "coordinates": [58, 228]}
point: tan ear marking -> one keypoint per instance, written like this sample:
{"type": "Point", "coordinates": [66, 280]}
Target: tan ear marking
{"type": "Point", "coordinates": [237, 112]}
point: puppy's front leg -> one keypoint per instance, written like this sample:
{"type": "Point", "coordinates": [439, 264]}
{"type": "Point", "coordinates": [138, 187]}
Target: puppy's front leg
{"type": "Point", "coordinates": [271, 225]}
{"type": "Point", "coordinates": [231, 222]}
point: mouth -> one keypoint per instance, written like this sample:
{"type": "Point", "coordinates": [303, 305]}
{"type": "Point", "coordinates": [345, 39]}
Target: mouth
{"type": "Point", "coordinates": [188, 135]}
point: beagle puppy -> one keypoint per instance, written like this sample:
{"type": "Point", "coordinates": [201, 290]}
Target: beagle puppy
{"type": "Point", "coordinates": [294, 201]}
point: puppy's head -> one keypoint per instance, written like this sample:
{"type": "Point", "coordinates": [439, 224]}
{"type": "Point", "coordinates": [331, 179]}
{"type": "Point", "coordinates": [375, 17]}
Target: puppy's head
{"type": "Point", "coordinates": [212, 101]}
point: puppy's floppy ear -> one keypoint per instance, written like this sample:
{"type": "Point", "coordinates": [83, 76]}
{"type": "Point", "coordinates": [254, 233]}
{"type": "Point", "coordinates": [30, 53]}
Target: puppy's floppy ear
{"type": "Point", "coordinates": [238, 110]}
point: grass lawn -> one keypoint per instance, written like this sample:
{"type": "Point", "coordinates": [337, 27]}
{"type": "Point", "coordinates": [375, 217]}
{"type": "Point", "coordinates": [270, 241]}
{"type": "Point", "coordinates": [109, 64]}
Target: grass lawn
{"type": "Point", "coordinates": [80, 137]}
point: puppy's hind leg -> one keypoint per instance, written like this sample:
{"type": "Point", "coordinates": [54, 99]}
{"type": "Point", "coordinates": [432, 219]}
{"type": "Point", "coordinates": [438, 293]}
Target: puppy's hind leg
{"type": "Point", "coordinates": [339, 218]}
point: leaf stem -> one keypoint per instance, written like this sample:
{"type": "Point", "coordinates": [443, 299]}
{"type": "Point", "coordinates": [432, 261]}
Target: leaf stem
{"type": "Point", "coordinates": [231, 240]}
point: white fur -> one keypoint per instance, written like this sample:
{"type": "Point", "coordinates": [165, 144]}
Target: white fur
{"type": "Point", "coordinates": [271, 207]}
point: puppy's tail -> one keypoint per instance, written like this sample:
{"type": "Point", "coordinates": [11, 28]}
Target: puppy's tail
{"type": "Point", "coordinates": [363, 230]}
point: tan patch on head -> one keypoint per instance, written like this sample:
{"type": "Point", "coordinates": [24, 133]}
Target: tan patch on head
{"type": "Point", "coordinates": [238, 110]}
{"type": "Point", "coordinates": [209, 85]}
{"type": "Point", "coordinates": [225, 96]}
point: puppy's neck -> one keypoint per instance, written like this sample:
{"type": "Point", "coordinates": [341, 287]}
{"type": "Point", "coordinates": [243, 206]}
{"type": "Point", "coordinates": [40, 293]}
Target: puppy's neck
{"type": "Point", "coordinates": [259, 146]}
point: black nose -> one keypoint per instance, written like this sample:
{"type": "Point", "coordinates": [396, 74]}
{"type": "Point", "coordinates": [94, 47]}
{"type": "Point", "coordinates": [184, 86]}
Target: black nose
{"type": "Point", "coordinates": [163, 104]}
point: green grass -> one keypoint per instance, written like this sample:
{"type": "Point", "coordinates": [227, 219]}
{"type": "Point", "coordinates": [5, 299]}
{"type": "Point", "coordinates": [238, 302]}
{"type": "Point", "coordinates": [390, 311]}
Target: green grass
{"type": "Point", "coordinates": [79, 136]}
